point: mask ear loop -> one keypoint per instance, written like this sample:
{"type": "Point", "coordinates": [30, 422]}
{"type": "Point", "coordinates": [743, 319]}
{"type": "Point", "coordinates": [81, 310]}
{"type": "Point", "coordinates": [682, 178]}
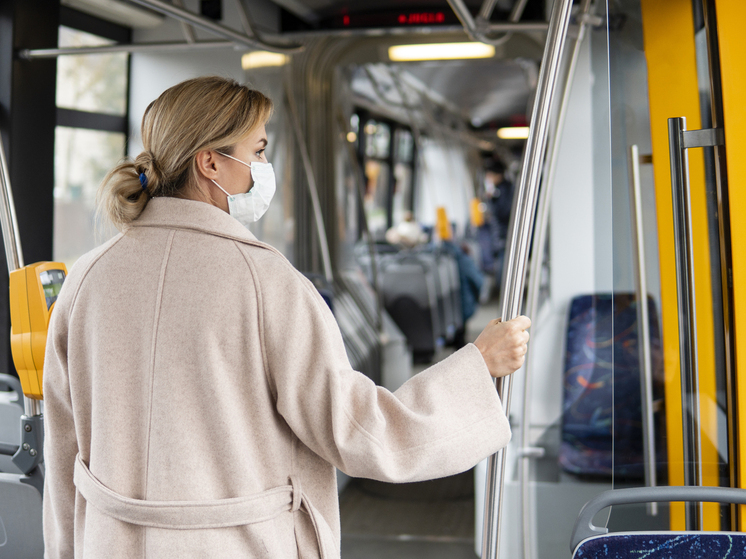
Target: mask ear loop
{"type": "Point", "coordinates": [220, 187]}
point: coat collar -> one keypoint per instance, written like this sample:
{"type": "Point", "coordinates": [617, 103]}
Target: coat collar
{"type": "Point", "coordinates": [177, 213]}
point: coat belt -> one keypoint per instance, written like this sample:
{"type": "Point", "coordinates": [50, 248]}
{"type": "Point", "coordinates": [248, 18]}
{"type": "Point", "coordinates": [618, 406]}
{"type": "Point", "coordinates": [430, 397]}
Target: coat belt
{"type": "Point", "coordinates": [195, 515]}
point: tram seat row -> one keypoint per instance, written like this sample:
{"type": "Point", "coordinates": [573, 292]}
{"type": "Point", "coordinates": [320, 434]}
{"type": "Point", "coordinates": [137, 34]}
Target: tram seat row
{"type": "Point", "coordinates": [421, 291]}
{"type": "Point", "coordinates": [382, 355]}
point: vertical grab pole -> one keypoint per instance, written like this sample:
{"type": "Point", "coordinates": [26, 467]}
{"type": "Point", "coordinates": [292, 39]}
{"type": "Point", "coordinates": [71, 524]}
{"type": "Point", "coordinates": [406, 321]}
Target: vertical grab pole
{"type": "Point", "coordinates": [8, 221]}
{"type": "Point", "coordinates": [643, 323]}
{"type": "Point", "coordinates": [682, 225]}
{"type": "Point", "coordinates": [12, 242]}
{"type": "Point", "coordinates": [520, 238]}
{"type": "Point", "coordinates": [527, 453]}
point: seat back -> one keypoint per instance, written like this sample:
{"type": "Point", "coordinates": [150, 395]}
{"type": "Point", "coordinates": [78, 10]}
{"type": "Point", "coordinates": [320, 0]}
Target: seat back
{"type": "Point", "coordinates": [21, 534]}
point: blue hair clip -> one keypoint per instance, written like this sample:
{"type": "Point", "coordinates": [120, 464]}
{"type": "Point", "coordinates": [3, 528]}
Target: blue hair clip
{"type": "Point", "coordinates": [143, 181]}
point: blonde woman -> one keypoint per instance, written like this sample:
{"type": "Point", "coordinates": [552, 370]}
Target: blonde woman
{"type": "Point", "coordinates": [198, 394]}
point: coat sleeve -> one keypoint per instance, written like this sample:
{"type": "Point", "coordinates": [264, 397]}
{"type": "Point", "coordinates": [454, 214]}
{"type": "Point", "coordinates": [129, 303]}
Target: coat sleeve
{"type": "Point", "coordinates": [441, 422]}
{"type": "Point", "coordinates": [60, 444]}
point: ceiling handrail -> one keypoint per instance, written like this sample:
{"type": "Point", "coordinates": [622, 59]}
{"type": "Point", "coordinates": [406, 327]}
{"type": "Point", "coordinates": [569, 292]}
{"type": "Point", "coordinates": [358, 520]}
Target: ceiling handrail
{"type": "Point", "coordinates": [206, 24]}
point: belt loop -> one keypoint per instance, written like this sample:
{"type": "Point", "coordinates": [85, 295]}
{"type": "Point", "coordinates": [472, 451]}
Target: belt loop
{"type": "Point", "coordinates": [296, 493]}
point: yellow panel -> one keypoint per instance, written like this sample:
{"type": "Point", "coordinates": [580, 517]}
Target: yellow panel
{"type": "Point", "coordinates": [29, 317]}
{"type": "Point", "coordinates": [668, 30]}
{"type": "Point", "coordinates": [731, 15]}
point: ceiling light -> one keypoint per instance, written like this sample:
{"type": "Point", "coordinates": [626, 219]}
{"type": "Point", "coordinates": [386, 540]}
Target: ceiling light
{"type": "Point", "coordinates": [440, 51]}
{"type": "Point", "coordinates": [513, 133]}
{"type": "Point", "coordinates": [351, 137]}
{"type": "Point", "coordinates": [262, 59]}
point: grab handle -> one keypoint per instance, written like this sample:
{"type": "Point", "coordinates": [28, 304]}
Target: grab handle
{"type": "Point", "coordinates": [643, 323]}
{"type": "Point", "coordinates": [680, 139]}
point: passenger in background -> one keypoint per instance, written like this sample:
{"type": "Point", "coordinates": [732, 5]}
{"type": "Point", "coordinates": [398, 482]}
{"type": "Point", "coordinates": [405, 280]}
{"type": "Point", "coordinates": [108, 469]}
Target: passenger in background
{"type": "Point", "coordinates": [493, 234]}
{"type": "Point", "coordinates": [408, 233]}
{"type": "Point", "coordinates": [471, 281]}
{"type": "Point", "coordinates": [198, 392]}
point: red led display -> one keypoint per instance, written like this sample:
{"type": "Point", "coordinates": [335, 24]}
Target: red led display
{"type": "Point", "coordinates": [390, 19]}
{"type": "Point", "coordinates": [422, 18]}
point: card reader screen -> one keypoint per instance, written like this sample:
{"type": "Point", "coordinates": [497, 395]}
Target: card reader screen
{"type": "Point", "coordinates": [52, 281]}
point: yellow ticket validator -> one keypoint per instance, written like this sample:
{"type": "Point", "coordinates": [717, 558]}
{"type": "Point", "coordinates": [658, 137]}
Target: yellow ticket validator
{"type": "Point", "coordinates": [33, 292]}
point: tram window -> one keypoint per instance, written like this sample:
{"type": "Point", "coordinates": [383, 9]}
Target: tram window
{"type": "Point", "coordinates": [91, 132]}
{"type": "Point", "coordinates": [94, 82]}
{"type": "Point", "coordinates": [377, 139]}
{"type": "Point", "coordinates": [81, 160]}
{"type": "Point", "coordinates": [376, 191]}
{"type": "Point", "coordinates": [403, 174]}
{"type": "Point", "coordinates": [402, 191]}
{"type": "Point", "coordinates": [404, 146]}
{"type": "Point", "coordinates": [354, 128]}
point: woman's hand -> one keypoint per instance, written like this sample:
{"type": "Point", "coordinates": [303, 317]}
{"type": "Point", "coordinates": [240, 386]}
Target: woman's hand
{"type": "Point", "coordinates": [503, 345]}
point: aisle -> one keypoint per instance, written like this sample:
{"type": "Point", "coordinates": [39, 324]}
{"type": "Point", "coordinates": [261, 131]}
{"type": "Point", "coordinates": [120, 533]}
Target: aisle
{"type": "Point", "coordinates": [427, 520]}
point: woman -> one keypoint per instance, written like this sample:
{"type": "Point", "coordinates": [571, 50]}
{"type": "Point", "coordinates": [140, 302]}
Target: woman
{"type": "Point", "coordinates": [198, 394]}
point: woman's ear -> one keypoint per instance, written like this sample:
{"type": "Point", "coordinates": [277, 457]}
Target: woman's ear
{"type": "Point", "coordinates": [206, 164]}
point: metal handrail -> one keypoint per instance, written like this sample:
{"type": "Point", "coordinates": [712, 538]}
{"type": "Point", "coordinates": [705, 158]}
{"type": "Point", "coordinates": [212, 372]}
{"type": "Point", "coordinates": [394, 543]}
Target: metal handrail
{"type": "Point", "coordinates": [679, 140]}
{"type": "Point", "coordinates": [313, 191]}
{"type": "Point", "coordinates": [12, 244]}
{"type": "Point", "coordinates": [643, 323]}
{"type": "Point", "coordinates": [684, 248]}
{"type": "Point", "coordinates": [520, 236]}
{"type": "Point", "coordinates": [532, 298]}
{"type": "Point", "coordinates": [32, 54]}
{"type": "Point", "coordinates": [479, 29]}
{"type": "Point", "coordinates": [360, 183]}
{"type": "Point", "coordinates": [216, 28]}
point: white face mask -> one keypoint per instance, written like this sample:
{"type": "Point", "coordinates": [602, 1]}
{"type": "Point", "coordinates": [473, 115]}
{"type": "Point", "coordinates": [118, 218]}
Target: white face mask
{"type": "Point", "coordinates": [250, 206]}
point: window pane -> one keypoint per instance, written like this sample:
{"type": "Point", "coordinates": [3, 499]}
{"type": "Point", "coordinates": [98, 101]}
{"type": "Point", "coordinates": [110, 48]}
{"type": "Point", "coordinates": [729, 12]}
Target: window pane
{"type": "Point", "coordinates": [81, 160]}
{"type": "Point", "coordinates": [376, 193]}
{"type": "Point", "coordinates": [378, 139]}
{"type": "Point", "coordinates": [404, 145]}
{"type": "Point", "coordinates": [91, 82]}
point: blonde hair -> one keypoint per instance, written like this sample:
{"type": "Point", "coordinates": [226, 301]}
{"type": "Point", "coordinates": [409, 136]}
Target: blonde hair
{"type": "Point", "coordinates": [198, 114]}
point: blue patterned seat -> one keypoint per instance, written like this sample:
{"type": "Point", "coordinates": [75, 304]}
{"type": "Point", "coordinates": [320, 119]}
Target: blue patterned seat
{"type": "Point", "coordinates": [660, 545]}
{"type": "Point", "coordinates": [594, 542]}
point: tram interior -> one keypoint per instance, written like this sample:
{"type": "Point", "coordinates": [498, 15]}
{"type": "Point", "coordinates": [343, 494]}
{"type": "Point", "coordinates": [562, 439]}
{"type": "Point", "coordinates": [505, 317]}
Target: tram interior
{"type": "Point", "coordinates": [387, 142]}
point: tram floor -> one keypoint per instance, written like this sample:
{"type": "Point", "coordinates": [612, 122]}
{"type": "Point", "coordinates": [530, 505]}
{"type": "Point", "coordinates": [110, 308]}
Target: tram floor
{"type": "Point", "coordinates": [431, 519]}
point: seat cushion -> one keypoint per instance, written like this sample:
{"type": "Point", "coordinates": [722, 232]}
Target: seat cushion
{"type": "Point", "coordinates": [659, 545]}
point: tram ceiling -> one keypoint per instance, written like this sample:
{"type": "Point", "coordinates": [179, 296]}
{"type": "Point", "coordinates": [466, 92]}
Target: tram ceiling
{"type": "Point", "coordinates": [420, 17]}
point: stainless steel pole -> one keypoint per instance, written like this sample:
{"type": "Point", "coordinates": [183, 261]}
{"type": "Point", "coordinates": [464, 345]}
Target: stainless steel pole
{"type": "Point", "coordinates": [643, 323]}
{"type": "Point", "coordinates": [313, 191]}
{"type": "Point", "coordinates": [682, 222]}
{"type": "Point", "coordinates": [520, 237]}
{"type": "Point", "coordinates": [12, 243]}
{"type": "Point", "coordinates": [32, 54]}
{"type": "Point", "coordinates": [528, 453]}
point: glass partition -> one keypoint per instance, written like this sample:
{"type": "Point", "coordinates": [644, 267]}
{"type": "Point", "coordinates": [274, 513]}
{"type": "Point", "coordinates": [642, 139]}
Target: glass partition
{"type": "Point", "coordinates": [660, 71]}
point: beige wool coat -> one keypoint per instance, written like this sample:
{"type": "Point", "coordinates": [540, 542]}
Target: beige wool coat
{"type": "Point", "coordinates": [198, 397]}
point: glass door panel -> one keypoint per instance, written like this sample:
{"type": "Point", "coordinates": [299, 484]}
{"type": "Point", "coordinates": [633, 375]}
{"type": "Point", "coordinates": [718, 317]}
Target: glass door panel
{"type": "Point", "coordinates": [659, 70]}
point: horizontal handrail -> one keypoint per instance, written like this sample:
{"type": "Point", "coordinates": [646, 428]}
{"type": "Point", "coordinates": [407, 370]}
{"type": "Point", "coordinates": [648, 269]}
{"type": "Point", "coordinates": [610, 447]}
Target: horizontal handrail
{"type": "Point", "coordinates": [216, 28]}
{"type": "Point", "coordinates": [584, 527]}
